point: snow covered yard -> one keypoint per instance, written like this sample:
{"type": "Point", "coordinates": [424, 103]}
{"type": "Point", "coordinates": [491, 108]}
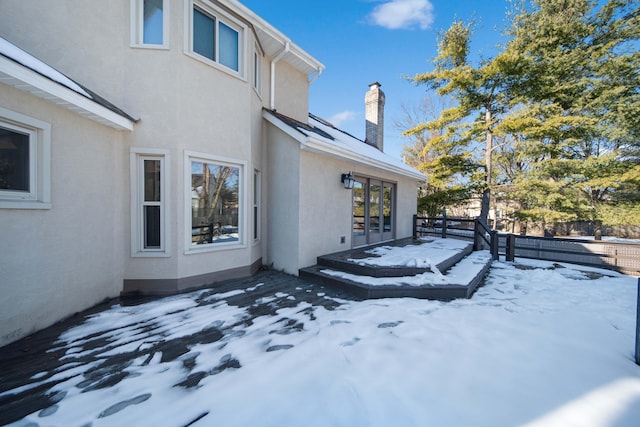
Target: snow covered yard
{"type": "Point", "coordinates": [538, 345]}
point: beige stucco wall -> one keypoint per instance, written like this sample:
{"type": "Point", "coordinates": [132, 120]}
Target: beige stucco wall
{"type": "Point", "coordinates": [326, 207]}
{"type": "Point", "coordinates": [183, 104]}
{"type": "Point", "coordinates": [62, 260]}
{"type": "Point", "coordinates": [283, 201]}
{"type": "Point", "coordinates": [292, 92]}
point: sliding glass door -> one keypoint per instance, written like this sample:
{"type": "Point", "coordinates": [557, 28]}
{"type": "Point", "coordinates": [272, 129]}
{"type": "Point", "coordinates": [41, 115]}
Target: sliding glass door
{"type": "Point", "coordinates": [373, 211]}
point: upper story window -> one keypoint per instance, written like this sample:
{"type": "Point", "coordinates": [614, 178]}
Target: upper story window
{"type": "Point", "coordinates": [216, 37]}
{"type": "Point", "coordinates": [257, 69]}
{"type": "Point", "coordinates": [25, 158]}
{"type": "Point", "coordinates": [149, 23]}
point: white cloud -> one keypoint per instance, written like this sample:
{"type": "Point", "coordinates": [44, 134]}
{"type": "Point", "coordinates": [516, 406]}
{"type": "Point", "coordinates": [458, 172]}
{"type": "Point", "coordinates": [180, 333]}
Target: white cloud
{"type": "Point", "coordinates": [398, 14]}
{"type": "Point", "coordinates": [339, 119]}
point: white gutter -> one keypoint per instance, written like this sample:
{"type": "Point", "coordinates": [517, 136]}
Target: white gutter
{"type": "Point", "coordinates": [318, 72]}
{"type": "Point", "coordinates": [282, 53]}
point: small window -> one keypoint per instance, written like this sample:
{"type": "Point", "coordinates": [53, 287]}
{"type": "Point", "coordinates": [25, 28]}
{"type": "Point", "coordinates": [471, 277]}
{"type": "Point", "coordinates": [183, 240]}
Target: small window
{"type": "Point", "coordinates": [15, 163]}
{"type": "Point", "coordinates": [25, 145]}
{"type": "Point", "coordinates": [149, 199]}
{"type": "Point", "coordinates": [215, 189]}
{"type": "Point", "coordinates": [257, 70]}
{"type": "Point", "coordinates": [216, 38]}
{"type": "Point", "coordinates": [150, 19]}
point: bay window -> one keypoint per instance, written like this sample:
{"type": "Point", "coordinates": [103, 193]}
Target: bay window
{"type": "Point", "coordinates": [215, 206]}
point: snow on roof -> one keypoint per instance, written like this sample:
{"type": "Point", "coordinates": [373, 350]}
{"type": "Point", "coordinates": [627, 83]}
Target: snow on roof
{"type": "Point", "coordinates": [18, 56]}
{"type": "Point", "coordinates": [321, 136]}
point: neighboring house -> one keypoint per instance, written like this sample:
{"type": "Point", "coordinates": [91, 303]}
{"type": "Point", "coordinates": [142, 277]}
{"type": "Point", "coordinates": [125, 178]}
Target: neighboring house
{"type": "Point", "coordinates": [203, 165]}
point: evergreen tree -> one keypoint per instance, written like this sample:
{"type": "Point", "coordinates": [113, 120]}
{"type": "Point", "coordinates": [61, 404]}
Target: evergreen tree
{"type": "Point", "coordinates": [576, 102]}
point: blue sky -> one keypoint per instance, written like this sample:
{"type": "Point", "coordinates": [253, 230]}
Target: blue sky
{"type": "Point", "coordinates": [364, 41]}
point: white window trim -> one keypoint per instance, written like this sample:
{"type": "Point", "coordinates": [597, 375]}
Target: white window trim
{"type": "Point", "coordinates": [220, 15]}
{"type": "Point", "coordinates": [256, 206]}
{"type": "Point", "coordinates": [243, 225]}
{"type": "Point", "coordinates": [39, 195]}
{"type": "Point", "coordinates": [137, 196]}
{"type": "Point", "coordinates": [137, 26]}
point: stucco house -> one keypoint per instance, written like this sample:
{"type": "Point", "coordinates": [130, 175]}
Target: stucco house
{"type": "Point", "coordinates": [164, 145]}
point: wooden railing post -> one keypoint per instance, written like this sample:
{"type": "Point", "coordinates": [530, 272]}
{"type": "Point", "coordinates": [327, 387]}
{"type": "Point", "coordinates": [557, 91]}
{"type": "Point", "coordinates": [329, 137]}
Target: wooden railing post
{"type": "Point", "coordinates": [494, 244]}
{"type": "Point", "coordinates": [444, 223]}
{"type": "Point", "coordinates": [638, 325]}
{"type": "Point", "coordinates": [476, 235]}
{"type": "Point", "coordinates": [511, 247]}
{"type": "Point", "coordinates": [415, 226]}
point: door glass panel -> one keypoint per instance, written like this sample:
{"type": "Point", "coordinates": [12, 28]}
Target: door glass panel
{"type": "Point", "coordinates": [374, 208]}
{"type": "Point", "coordinates": [387, 197]}
{"type": "Point", "coordinates": [358, 208]}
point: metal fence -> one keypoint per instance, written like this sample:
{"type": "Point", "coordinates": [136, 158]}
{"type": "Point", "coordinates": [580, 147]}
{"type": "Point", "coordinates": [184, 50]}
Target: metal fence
{"type": "Point", "coordinates": [622, 257]}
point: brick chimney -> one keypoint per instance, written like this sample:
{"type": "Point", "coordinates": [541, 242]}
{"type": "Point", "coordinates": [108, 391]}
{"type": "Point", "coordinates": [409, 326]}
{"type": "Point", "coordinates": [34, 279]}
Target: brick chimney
{"type": "Point", "coordinates": [374, 103]}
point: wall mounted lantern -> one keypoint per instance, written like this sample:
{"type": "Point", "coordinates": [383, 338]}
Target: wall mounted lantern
{"type": "Point", "coordinates": [347, 180]}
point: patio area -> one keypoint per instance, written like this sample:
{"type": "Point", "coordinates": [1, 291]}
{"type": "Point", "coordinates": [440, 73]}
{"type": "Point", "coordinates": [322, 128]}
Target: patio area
{"type": "Point", "coordinates": [539, 344]}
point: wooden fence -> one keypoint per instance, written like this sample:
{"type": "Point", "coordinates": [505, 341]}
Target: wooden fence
{"type": "Point", "coordinates": [622, 257]}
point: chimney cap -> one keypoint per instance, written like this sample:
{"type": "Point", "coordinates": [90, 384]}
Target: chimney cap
{"type": "Point", "coordinates": [375, 85]}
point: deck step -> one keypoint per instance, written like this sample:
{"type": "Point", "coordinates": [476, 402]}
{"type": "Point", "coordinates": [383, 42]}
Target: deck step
{"type": "Point", "coordinates": [356, 261]}
{"type": "Point", "coordinates": [460, 281]}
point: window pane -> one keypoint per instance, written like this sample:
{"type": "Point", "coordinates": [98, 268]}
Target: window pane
{"type": "Point", "coordinates": [358, 208]}
{"type": "Point", "coordinates": [152, 180]}
{"type": "Point", "coordinates": [204, 35]}
{"type": "Point", "coordinates": [14, 160]}
{"type": "Point", "coordinates": [228, 46]}
{"type": "Point", "coordinates": [214, 203]}
{"type": "Point", "coordinates": [151, 227]}
{"type": "Point", "coordinates": [152, 25]}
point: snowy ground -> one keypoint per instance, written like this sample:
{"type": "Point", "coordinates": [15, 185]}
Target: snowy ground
{"type": "Point", "coordinates": [538, 345]}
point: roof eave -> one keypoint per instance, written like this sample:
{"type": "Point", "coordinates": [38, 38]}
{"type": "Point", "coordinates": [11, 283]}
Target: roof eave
{"type": "Point", "coordinates": [321, 147]}
{"type": "Point", "coordinates": [274, 41]}
{"type": "Point", "coordinates": [318, 146]}
{"type": "Point", "coordinates": [25, 79]}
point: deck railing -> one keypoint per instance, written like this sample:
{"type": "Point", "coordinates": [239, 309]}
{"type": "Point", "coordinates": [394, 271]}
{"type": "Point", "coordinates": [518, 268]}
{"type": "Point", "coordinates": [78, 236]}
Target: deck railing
{"type": "Point", "coordinates": [622, 257]}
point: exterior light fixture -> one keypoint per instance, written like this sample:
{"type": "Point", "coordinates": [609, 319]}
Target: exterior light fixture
{"type": "Point", "coordinates": [347, 180]}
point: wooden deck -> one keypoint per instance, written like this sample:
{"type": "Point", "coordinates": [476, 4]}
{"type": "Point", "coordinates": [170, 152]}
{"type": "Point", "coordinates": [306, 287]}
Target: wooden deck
{"type": "Point", "coordinates": [346, 262]}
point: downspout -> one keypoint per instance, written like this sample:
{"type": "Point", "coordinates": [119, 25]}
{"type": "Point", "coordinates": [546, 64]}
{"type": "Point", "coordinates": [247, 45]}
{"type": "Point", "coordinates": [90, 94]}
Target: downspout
{"type": "Point", "coordinates": [318, 72]}
{"type": "Point", "coordinates": [282, 53]}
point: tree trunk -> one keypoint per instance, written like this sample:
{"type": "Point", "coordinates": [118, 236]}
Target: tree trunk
{"type": "Point", "coordinates": [486, 194]}
{"type": "Point", "coordinates": [597, 230]}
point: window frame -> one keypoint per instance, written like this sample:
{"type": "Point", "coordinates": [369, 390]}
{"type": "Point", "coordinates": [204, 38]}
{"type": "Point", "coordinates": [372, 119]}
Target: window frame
{"type": "Point", "coordinates": [257, 70]}
{"type": "Point", "coordinates": [243, 203]}
{"type": "Point", "coordinates": [219, 16]}
{"type": "Point", "coordinates": [256, 230]}
{"type": "Point", "coordinates": [137, 26]}
{"type": "Point", "coordinates": [137, 158]}
{"type": "Point", "coordinates": [39, 133]}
